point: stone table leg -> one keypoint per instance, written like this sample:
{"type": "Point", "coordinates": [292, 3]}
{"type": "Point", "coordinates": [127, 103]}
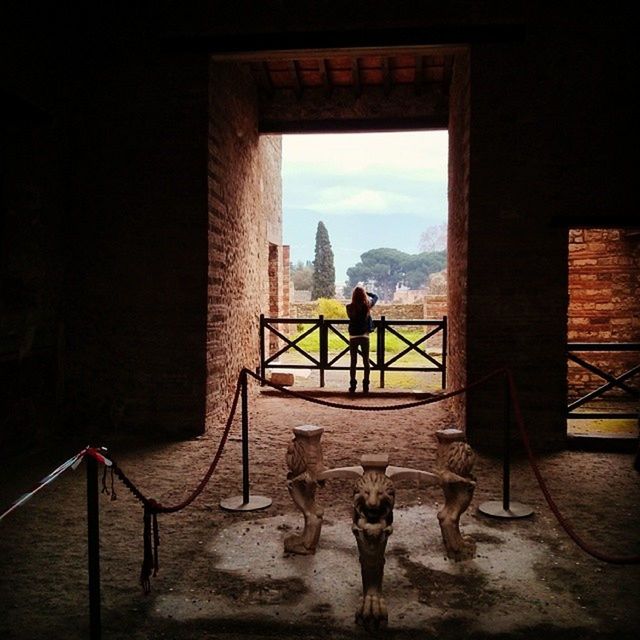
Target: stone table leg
{"type": "Point", "coordinates": [304, 459]}
{"type": "Point", "coordinates": [454, 462]}
{"type": "Point", "coordinates": [374, 497]}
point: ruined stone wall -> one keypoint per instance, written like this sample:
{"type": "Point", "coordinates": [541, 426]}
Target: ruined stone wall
{"type": "Point", "coordinates": [395, 311]}
{"type": "Point", "coordinates": [435, 306]}
{"type": "Point", "coordinates": [245, 203]}
{"type": "Point", "coordinates": [604, 301]}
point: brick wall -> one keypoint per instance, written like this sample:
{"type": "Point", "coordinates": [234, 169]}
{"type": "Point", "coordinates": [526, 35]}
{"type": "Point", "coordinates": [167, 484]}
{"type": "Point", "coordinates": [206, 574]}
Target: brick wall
{"type": "Point", "coordinates": [286, 281]}
{"type": "Point", "coordinates": [604, 300]}
{"type": "Point", "coordinates": [457, 244]}
{"type": "Point", "coordinates": [245, 204]}
{"type": "Point", "coordinates": [435, 306]}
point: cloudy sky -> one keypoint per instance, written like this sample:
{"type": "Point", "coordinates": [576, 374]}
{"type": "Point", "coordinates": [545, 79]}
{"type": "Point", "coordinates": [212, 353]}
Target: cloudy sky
{"type": "Point", "coordinates": [370, 190]}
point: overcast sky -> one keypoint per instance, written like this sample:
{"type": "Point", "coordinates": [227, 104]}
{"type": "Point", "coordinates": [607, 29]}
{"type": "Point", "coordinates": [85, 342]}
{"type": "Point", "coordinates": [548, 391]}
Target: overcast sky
{"type": "Point", "coordinates": [370, 190]}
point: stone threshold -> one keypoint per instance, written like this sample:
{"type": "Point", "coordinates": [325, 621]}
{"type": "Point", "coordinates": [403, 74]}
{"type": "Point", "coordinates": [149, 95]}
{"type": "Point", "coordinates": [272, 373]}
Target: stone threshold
{"type": "Point", "coordinates": [616, 443]}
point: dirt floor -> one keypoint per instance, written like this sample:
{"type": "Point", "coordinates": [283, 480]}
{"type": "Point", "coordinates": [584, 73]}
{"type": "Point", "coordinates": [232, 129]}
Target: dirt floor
{"type": "Point", "coordinates": [224, 575]}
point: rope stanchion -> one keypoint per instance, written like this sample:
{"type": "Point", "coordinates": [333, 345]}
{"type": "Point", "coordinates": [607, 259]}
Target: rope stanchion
{"type": "Point", "coordinates": [506, 508]}
{"type": "Point", "coordinates": [245, 502]}
{"type": "Point", "coordinates": [93, 544]}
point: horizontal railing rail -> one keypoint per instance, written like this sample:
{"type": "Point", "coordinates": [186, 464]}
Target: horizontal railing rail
{"type": "Point", "coordinates": [325, 360]}
{"type": "Point", "coordinates": [611, 381]}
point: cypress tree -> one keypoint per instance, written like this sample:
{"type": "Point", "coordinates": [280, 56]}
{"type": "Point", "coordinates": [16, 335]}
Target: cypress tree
{"type": "Point", "coordinates": [324, 272]}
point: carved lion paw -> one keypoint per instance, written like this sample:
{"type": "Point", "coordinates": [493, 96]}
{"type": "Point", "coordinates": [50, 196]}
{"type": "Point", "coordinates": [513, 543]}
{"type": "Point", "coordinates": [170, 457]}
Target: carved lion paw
{"type": "Point", "coordinates": [295, 543]}
{"type": "Point", "coordinates": [464, 550]}
{"type": "Point", "coordinates": [372, 613]}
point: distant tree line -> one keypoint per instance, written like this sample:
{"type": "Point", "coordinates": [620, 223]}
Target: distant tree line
{"type": "Point", "coordinates": [385, 269]}
{"type": "Point", "coordinates": [382, 269]}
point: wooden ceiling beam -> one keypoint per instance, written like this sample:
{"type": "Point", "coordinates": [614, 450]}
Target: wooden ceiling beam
{"type": "Point", "coordinates": [447, 72]}
{"type": "Point", "coordinates": [326, 78]}
{"type": "Point", "coordinates": [265, 78]}
{"type": "Point", "coordinates": [357, 84]}
{"type": "Point", "coordinates": [419, 77]}
{"type": "Point", "coordinates": [386, 76]}
{"type": "Point", "coordinates": [295, 72]}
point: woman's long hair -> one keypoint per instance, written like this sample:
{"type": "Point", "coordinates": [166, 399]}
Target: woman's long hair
{"type": "Point", "coordinates": [360, 300]}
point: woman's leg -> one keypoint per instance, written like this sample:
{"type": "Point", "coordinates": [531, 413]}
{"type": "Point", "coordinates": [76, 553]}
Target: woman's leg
{"type": "Point", "coordinates": [353, 353]}
{"type": "Point", "coordinates": [367, 366]}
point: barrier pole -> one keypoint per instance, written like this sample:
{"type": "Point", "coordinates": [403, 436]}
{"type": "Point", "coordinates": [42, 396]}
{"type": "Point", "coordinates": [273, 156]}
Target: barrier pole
{"type": "Point", "coordinates": [506, 456]}
{"type": "Point", "coordinates": [246, 502]}
{"type": "Point", "coordinates": [93, 538]}
{"type": "Point", "coordinates": [245, 437]}
{"type": "Point", "coordinates": [505, 508]}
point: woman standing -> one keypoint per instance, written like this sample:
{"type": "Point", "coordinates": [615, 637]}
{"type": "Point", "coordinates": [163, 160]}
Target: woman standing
{"type": "Point", "coordinates": [360, 325]}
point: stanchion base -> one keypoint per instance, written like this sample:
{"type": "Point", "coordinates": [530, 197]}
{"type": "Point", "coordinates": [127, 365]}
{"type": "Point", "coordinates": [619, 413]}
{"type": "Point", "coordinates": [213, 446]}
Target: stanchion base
{"type": "Point", "coordinates": [495, 509]}
{"type": "Point", "coordinates": [237, 503]}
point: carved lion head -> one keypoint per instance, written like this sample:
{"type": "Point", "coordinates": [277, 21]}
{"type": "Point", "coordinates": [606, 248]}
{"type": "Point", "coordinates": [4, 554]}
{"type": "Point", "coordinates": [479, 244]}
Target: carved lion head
{"type": "Point", "coordinates": [373, 498]}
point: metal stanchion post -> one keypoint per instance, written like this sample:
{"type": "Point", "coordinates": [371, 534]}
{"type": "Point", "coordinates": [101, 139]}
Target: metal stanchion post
{"type": "Point", "coordinates": [506, 508]}
{"type": "Point", "coordinates": [245, 502]}
{"type": "Point", "coordinates": [93, 531]}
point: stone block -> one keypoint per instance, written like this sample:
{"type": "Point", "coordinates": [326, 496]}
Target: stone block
{"type": "Point", "coordinates": [284, 379]}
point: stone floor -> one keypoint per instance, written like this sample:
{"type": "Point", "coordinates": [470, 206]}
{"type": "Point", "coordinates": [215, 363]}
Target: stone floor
{"type": "Point", "coordinates": [225, 575]}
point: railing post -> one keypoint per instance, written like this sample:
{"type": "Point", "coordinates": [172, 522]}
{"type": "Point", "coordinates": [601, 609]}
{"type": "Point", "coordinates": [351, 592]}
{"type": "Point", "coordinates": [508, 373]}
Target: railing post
{"type": "Point", "coordinates": [93, 537]}
{"type": "Point", "coordinates": [324, 347]}
{"type": "Point", "coordinates": [445, 343]}
{"type": "Point", "coordinates": [381, 347]}
{"type": "Point", "coordinates": [263, 373]}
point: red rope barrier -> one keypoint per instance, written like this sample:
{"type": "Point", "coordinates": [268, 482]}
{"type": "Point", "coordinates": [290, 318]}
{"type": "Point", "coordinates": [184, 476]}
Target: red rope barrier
{"type": "Point", "coordinates": [612, 559]}
{"type": "Point", "coordinates": [152, 508]}
{"type": "Point", "coordinates": [389, 407]}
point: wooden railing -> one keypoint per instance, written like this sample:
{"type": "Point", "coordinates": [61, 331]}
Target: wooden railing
{"type": "Point", "coordinates": [611, 381]}
{"type": "Point", "coordinates": [323, 360]}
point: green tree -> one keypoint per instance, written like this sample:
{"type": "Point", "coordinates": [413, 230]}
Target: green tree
{"type": "Point", "coordinates": [384, 269]}
{"type": "Point", "coordinates": [302, 275]}
{"type": "Point", "coordinates": [324, 272]}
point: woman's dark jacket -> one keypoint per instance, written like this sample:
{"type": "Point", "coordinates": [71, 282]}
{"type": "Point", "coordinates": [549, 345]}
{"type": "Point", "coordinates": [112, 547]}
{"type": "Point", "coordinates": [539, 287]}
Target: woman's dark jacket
{"type": "Point", "coordinates": [359, 319]}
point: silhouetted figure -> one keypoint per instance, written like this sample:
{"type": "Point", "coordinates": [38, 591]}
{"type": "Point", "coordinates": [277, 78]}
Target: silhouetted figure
{"type": "Point", "coordinates": [360, 325]}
